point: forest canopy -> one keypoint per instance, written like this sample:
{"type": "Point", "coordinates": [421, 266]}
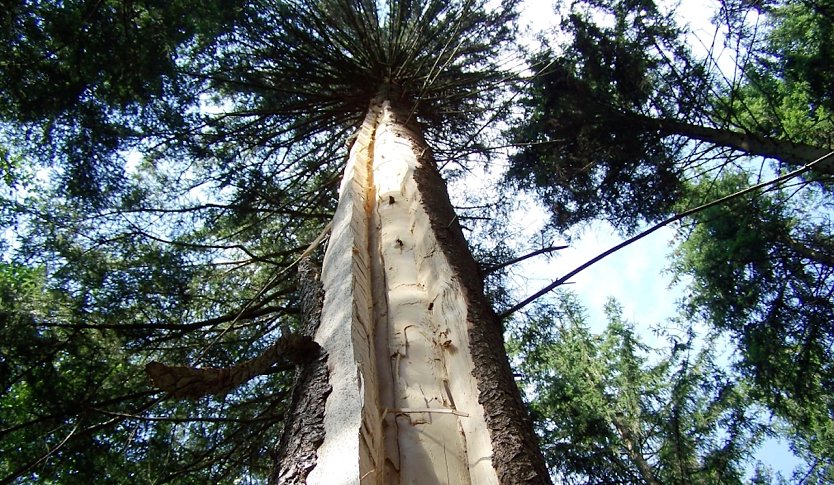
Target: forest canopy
{"type": "Point", "coordinates": [166, 164]}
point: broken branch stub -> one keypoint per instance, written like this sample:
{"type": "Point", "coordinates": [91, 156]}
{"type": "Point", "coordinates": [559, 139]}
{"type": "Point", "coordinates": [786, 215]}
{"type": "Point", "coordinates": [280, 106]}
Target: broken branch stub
{"type": "Point", "coordinates": [194, 383]}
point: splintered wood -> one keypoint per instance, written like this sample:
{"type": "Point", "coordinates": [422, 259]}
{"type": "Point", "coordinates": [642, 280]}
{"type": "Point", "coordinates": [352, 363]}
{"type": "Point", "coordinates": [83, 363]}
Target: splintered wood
{"type": "Point", "coordinates": [404, 407]}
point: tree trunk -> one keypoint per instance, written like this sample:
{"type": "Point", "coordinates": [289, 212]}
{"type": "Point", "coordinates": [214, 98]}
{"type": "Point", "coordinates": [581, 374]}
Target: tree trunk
{"type": "Point", "coordinates": [635, 452]}
{"type": "Point", "coordinates": [794, 154]}
{"type": "Point", "coordinates": [422, 391]}
{"type": "Point", "coordinates": [304, 421]}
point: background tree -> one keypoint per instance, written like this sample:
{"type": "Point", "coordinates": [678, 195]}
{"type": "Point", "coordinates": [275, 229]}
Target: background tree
{"type": "Point", "coordinates": [628, 125]}
{"type": "Point", "coordinates": [613, 109]}
{"type": "Point", "coordinates": [611, 409]}
{"type": "Point", "coordinates": [785, 92]}
{"type": "Point", "coordinates": [761, 271]}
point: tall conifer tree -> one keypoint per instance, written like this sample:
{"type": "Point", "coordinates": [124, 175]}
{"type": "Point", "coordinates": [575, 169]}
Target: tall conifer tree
{"type": "Point", "coordinates": [179, 255]}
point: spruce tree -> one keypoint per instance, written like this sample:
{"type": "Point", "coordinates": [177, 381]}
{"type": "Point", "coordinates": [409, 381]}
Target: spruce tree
{"type": "Point", "coordinates": [181, 171]}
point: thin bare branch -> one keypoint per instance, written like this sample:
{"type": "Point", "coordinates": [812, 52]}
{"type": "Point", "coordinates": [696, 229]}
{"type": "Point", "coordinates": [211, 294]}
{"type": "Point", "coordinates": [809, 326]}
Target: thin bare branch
{"type": "Point", "coordinates": [547, 289]}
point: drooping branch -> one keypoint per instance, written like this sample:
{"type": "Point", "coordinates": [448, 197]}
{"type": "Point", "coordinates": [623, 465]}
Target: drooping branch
{"type": "Point", "coordinates": [186, 419]}
{"type": "Point", "coordinates": [251, 312]}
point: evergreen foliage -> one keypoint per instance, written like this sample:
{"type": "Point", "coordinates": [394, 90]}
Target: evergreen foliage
{"type": "Point", "coordinates": [168, 162]}
{"type": "Point", "coordinates": [164, 164]}
{"type": "Point", "coordinates": [587, 150]}
{"type": "Point", "coordinates": [761, 271]}
{"type": "Point", "coordinates": [627, 124]}
{"type": "Point", "coordinates": [610, 409]}
{"type": "Point", "coordinates": [788, 94]}
{"type": "Point", "coordinates": [612, 110]}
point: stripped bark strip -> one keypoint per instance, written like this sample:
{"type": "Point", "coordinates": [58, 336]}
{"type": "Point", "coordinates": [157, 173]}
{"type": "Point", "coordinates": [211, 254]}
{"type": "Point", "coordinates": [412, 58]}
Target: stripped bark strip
{"type": "Point", "coordinates": [517, 457]}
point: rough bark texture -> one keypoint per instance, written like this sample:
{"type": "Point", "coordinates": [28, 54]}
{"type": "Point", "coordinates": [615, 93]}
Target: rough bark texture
{"type": "Point", "coordinates": [303, 432]}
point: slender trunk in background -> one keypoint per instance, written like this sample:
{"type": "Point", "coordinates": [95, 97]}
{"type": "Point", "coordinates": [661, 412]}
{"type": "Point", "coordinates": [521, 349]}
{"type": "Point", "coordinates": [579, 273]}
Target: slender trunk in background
{"type": "Point", "coordinates": [422, 391]}
{"type": "Point", "coordinates": [792, 153]}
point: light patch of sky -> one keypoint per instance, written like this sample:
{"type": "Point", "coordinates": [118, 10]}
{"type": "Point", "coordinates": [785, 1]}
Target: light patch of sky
{"type": "Point", "coordinates": [633, 275]}
{"type": "Point", "coordinates": [198, 193]}
{"type": "Point", "coordinates": [132, 160]}
{"type": "Point", "coordinates": [707, 40]}
{"type": "Point", "coordinates": [10, 239]}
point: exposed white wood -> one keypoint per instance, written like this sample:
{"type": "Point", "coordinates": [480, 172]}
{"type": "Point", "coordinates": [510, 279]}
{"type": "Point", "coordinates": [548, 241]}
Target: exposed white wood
{"type": "Point", "coordinates": [426, 329]}
{"type": "Point", "coordinates": [404, 407]}
{"type": "Point", "coordinates": [345, 313]}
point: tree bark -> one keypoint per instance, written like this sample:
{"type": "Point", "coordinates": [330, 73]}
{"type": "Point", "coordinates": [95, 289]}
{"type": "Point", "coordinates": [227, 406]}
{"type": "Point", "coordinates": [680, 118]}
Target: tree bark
{"type": "Point", "coordinates": [422, 388]}
{"type": "Point", "coordinates": [303, 432]}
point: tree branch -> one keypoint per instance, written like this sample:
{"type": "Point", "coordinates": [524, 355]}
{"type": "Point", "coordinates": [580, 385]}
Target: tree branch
{"type": "Point", "coordinates": [805, 168]}
{"type": "Point", "coordinates": [194, 383]}
{"type": "Point", "coordinates": [786, 151]}
{"type": "Point", "coordinates": [519, 259]}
